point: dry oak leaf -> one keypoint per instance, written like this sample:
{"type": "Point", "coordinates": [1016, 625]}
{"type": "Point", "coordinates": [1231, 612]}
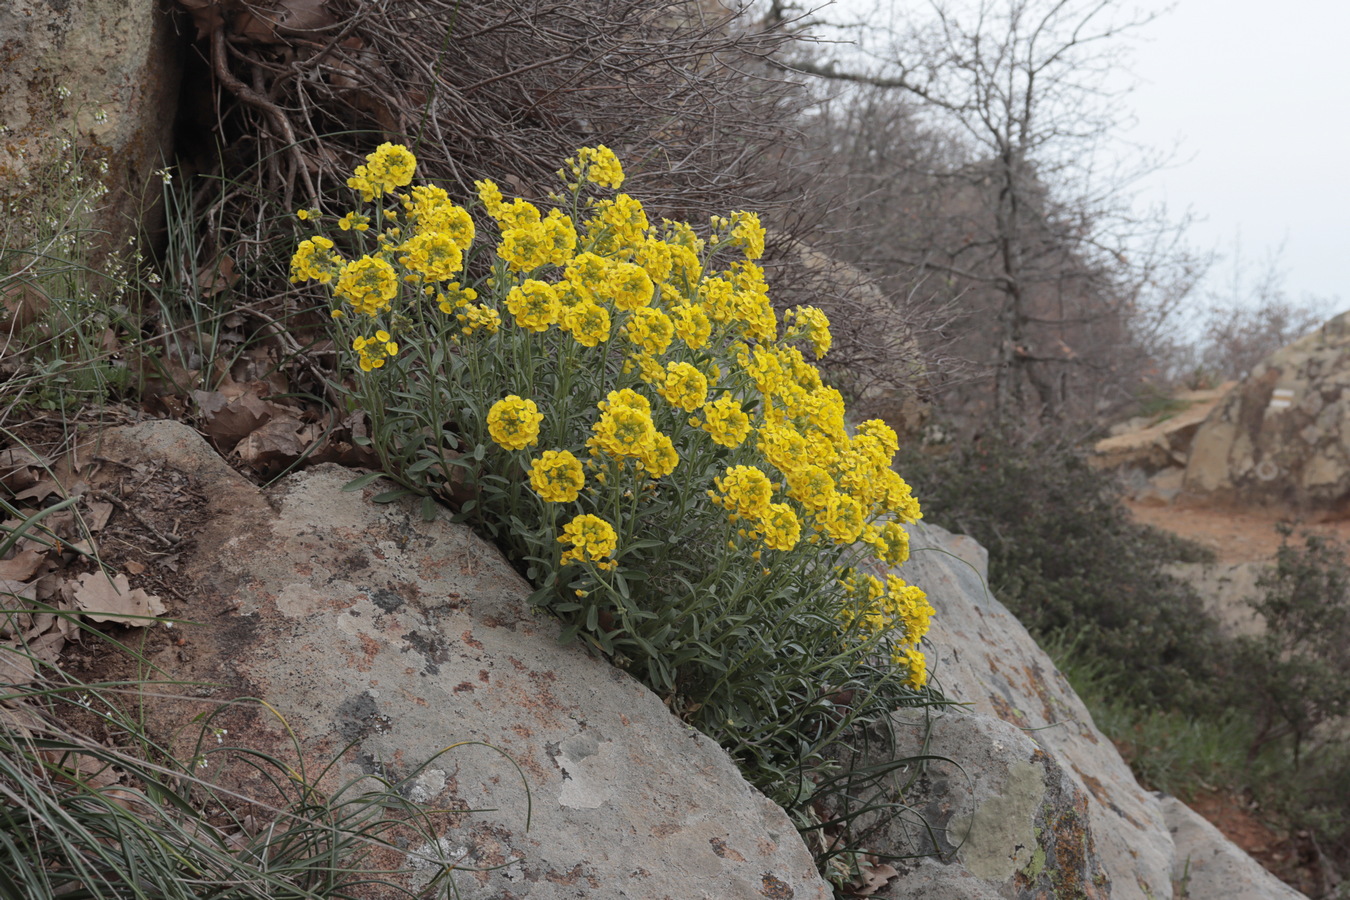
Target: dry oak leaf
{"type": "Point", "coordinates": [112, 600]}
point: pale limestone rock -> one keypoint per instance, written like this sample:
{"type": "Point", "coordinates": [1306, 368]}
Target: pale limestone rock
{"type": "Point", "coordinates": [980, 654]}
{"type": "Point", "coordinates": [1001, 819]}
{"type": "Point", "coordinates": [1281, 438]}
{"type": "Point", "coordinates": [1210, 867]}
{"type": "Point", "coordinates": [361, 624]}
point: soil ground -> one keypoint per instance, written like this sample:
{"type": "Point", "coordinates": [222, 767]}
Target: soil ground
{"type": "Point", "coordinates": [1234, 535]}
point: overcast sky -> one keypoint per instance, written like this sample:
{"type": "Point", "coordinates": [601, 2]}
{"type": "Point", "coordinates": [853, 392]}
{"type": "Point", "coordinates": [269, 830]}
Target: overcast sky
{"type": "Point", "coordinates": [1258, 97]}
{"type": "Point", "coordinates": [1255, 98]}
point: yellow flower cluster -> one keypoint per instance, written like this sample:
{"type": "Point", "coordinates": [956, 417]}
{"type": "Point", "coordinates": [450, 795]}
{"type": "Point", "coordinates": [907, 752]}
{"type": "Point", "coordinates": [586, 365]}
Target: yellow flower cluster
{"type": "Point", "coordinates": [878, 607]}
{"type": "Point", "coordinates": [389, 168]}
{"type": "Point", "coordinates": [368, 284]}
{"type": "Point", "coordinates": [373, 351]}
{"type": "Point", "coordinates": [557, 476]}
{"type": "Point", "coordinates": [591, 539]}
{"type": "Point", "coordinates": [514, 422]}
{"type": "Point", "coordinates": [793, 472]}
{"type": "Point", "coordinates": [594, 165]}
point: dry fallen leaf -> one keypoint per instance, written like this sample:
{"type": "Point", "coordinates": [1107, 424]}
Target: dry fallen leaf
{"type": "Point", "coordinates": [16, 665]}
{"type": "Point", "coordinates": [113, 600]}
{"type": "Point", "coordinates": [99, 514]}
{"type": "Point", "coordinates": [276, 444]}
{"type": "Point", "coordinates": [20, 469]}
{"type": "Point", "coordinates": [16, 599]}
{"type": "Point", "coordinates": [22, 566]}
{"type": "Point", "coordinates": [872, 877]}
{"type": "Point", "coordinates": [134, 567]}
{"type": "Point", "coordinates": [40, 491]}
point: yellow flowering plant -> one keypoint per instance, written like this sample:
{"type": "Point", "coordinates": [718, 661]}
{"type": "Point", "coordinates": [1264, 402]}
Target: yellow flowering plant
{"type": "Point", "coordinates": [616, 402]}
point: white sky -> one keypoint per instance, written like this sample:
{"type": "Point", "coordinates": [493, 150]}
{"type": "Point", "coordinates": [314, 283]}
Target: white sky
{"type": "Point", "coordinates": [1257, 97]}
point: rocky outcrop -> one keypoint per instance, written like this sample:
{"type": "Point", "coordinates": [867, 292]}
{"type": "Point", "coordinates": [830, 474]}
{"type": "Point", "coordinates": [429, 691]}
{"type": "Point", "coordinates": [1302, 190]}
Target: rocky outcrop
{"type": "Point", "coordinates": [1211, 867]}
{"type": "Point", "coordinates": [1153, 444]}
{"type": "Point", "coordinates": [1150, 453]}
{"type": "Point", "coordinates": [381, 640]}
{"type": "Point", "coordinates": [994, 815]}
{"type": "Point", "coordinates": [1097, 830]}
{"type": "Point", "coordinates": [102, 75]}
{"type": "Point", "coordinates": [1281, 439]}
{"type": "Point", "coordinates": [366, 628]}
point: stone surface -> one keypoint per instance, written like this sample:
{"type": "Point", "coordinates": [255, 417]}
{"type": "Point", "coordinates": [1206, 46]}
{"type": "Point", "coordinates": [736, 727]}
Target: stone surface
{"type": "Point", "coordinates": [103, 74]}
{"type": "Point", "coordinates": [981, 654]}
{"type": "Point", "coordinates": [1209, 867]}
{"type": "Point", "coordinates": [1281, 439]}
{"type": "Point", "coordinates": [1151, 445]}
{"type": "Point", "coordinates": [1001, 817]}
{"type": "Point", "coordinates": [366, 628]}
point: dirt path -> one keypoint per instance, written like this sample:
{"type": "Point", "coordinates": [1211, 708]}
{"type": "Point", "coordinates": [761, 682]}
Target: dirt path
{"type": "Point", "coordinates": [1234, 536]}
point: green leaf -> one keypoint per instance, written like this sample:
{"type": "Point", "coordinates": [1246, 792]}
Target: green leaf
{"type": "Point", "coordinates": [361, 481]}
{"type": "Point", "coordinates": [391, 496]}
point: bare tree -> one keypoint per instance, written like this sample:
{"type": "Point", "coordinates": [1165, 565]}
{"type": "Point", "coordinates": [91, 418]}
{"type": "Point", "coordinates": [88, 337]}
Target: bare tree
{"type": "Point", "coordinates": [1064, 279]}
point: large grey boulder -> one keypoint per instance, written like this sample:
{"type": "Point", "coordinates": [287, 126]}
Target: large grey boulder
{"type": "Point", "coordinates": [102, 75]}
{"type": "Point", "coordinates": [362, 625]}
{"type": "Point", "coordinates": [997, 816]}
{"type": "Point", "coordinates": [981, 655]}
{"type": "Point", "coordinates": [1281, 438]}
{"type": "Point", "coordinates": [1212, 868]}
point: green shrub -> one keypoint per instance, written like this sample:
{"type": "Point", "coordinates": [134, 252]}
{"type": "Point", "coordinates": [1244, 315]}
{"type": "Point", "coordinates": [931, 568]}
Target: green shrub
{"type": "Point", "coordinates": [1294, 675]}
{"type": "Point", "coordinates": [618, 404]}
{"type": "Point", "coordinates": [1068, 562]}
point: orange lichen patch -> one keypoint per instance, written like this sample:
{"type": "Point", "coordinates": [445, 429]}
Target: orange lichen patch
{"type": "Point", "coordinates": [1005, 710]}
{"type": "Point", "coordinates": [370, 648]}
{"type": "Point", "coordinates": [720, 847]}
{"type": "Point", "coordinates": [775, 888]}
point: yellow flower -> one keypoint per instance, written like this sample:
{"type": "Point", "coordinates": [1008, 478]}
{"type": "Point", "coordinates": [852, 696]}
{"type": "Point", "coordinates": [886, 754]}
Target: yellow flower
{"type": "Point", "coordinates": [594, 165]}
{"type": "Point", "coordinates": [692, 325]}
{"type": "Point", "coordinates": [315, 261]}
{"type": "Point", "coordinates": [433, 255]}
{"type": "Point", "coordinates": [650, 330]}
{"type": "Point", "coordinates": [514, 423]}
{"type": "Point", "coordinates": [910, 659]}
{"type": "Point", "coordinates": [725, 421]}
{"type": "Point", "coordinates": [811, 486]}
{"type": "Point", "coordinates": [373, 351]}
{"type": "Point", "coordinates": [662, 459]}
{"type": "Point", "coordinates": [368, 284]}
{"type": "Point", "coordinates": [812, 324]}
{"type": "Point", "coordinates": [629, 286]}
{"type": "Point", "coordinates": [526, 248]}
{"type": "Point", "coordinates": [748, 233]}
{"type": "Point", "coordinates": [780, 527]}
{"type": "Point", "coordinates": [453, 297]}
{"type": "Point", "coordinates": [560, 237]}
{"type": "Point", "coordinates": [591, 538]}
{"type": "Point", "coordinates": [842, 518]}
{"type": "Point", "coordinates": [744, 491]}
{"type": "Point", "coordinates": [534, 304]}
{"type": "Point", "coordinates": [587, 322]}
{"type": "Point", "coordinates": [389, 168]}
{"type": "Point", "coordinates": [623, 431]}
{"type": "Point", "coordinates": [684, 386]}
{"type": "Point", "coordinates": [557, 476]}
